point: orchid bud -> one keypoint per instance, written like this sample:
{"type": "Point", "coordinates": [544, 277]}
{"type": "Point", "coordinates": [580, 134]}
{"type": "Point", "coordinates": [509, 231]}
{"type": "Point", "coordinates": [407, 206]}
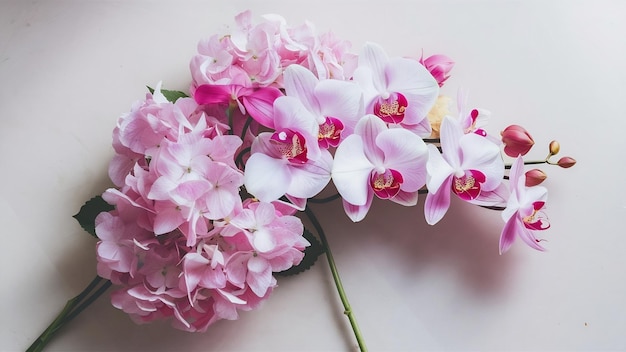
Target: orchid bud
{"type": "Point", "coordinates": [566, 162]}
{"type": "Point", "coordinates": [535, 177]}
{"type": "Point", "coordinates": [439, 66]}
{"type": "Point", "coordinates": [555, 147]}
{"type": "Point", "coordinates": [517, 141]}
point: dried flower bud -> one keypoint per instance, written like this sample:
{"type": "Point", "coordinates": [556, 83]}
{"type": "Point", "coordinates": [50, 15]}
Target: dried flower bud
{"type": "Point", "coordinates": [535, 177]}
{"type": "Point", "coordinates": [555, 147]}
{"type": "Point", "coordinates": [566, 162]}
{"type": "Point", "coordinates": [436, 114]}
{"type": "Point", "coordinates": [517, 141]}
{"type": "Point", "coordinates": [439, 66]}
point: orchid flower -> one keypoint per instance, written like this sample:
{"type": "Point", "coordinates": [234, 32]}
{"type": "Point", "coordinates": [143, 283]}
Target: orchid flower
{"type": "Point", "coordinates": [257, 102]}
{"type": "Point", "coordinates": [376, 160]}
{"type": "Point", "coordinates": [400, 91]}
{"type": "Point", "coordinates": [336, 105]}
{"type": "Point", "coordinates": [523, 214]}
{"type": "Point", "coordinates": [288, 161]}
{"type": "Point", "coordinates": [469, 165]}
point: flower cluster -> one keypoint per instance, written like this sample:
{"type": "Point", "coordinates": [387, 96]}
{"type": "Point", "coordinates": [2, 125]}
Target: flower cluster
{"type": "Point", "coordinates": [181, 241]}
{"type": "Point", "coordinates": [208, 185]}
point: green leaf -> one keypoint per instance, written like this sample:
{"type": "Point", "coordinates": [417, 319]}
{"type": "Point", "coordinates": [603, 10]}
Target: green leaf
{"type": "Point", "coordinates": [170, 95]}
{"type": "Point", "coordinates": [86, 217]}
{"type": "Point", "coordinates": [311, 253]}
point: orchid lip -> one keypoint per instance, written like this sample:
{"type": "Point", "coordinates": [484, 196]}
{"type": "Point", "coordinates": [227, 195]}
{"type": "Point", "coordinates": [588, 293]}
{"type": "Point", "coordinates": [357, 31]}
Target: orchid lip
{"type": "Point", "coordinates": [391, 108]}
{"type": "Point", "coordinates": [330, 132]}
{"type": "Point", "coordinates": [468, 186]}
{"type": "Point", "coordinates": [386, 184]}
{"type": "Point", "coordinates": [537, 220]}
{"type": "Point", "coordinates": [291, 145]}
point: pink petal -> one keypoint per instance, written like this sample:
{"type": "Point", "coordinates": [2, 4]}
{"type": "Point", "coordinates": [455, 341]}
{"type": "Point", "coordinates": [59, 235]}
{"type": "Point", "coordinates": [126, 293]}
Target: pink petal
{"type": "Point", "coordinates": [437, 204]}
{"type": "Point", "coordinates": [260, 104]}
{"type": "Point", "coordinates": [357, 213]}
{"type": "Point", "coordinates": [508, 233]}
{"type": "Point", "coordinates": [451, 133]}
{"type": "Point", "coordinates": [438, 169]}
{"type": "Point", "coordinates": [212, 94]}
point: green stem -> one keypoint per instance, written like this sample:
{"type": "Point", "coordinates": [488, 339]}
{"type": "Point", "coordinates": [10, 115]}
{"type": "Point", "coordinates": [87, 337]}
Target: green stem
{"type": "Point", "coordinates": [72, 308]}
{"type": "Point", "coordinates": [333, 269]}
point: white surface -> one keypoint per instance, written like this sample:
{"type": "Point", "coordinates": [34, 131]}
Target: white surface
{"type": "Point", "coordinates": [69, 68]}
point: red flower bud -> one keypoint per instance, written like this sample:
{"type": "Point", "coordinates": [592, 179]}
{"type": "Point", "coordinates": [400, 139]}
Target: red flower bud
{"type": "Point", "coordinates": [517, 141]}
{"type": "Point", "coordinates": [566, 162]}
{"type": "Point", "coordinates": [535, 177]}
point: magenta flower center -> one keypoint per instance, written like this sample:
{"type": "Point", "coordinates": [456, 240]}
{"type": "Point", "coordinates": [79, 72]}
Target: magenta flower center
{"type": "Point", "coordinates": [387, 184]}
{"type": "Point", "coordinates": [467, 187]}
{"type": "Point", "coordinates": [536, 220]}
{"type": "Point", "coordinates": [291, 145]}
{"type": "Point", "coordinates": [330, 132]}
{"type": "Point", "coordinates": [392, 108]}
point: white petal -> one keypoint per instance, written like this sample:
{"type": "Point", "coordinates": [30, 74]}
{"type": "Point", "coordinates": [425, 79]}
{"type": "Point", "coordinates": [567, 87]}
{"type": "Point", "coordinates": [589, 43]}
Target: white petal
{"type": "Point", "coordinates": [265, 177]}
{"type": "Point", "coordinates": [351, 170]}
{"type": "Point", "coordinates": [374, 57]}
{"type": "Point", "coordinates": [479, 153]}
{"type": "Point", "coordinates": [451, 133]}
{"type": "Point", "coordinates": [309, 179]}
{"type": "Point", "coordinates": [438, 169]}
{"type": "Point", "coordinates": [406, 153]}
{"type": "Point", "coordinates": [300, 83]}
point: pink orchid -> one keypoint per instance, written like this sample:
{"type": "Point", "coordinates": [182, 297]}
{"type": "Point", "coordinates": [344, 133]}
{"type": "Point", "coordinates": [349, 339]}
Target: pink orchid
{"type": "Point", "coordinates": [376, 160]}
{"type": "Point", "coordinates": [336, 105]}
{"type": "Point", "coordinates": [258, 102]}
{"type": "Point", "coordinates": [288, 161]}
{"type": "Point", "coordinates": [399, 90]}
{"type": "Point", "coordinates": [439, 66]}
{"type": "Point", "coordinates": [469, 166]}
{"type": "Point", "coordinates": [523, 215]}
{"type": "Point", "coordinates": [472, 120]}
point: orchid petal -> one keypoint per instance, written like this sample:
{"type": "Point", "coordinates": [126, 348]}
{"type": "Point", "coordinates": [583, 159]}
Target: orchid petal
{"type": "Point", "coordinates": [341, 99]}
{"type": "Point", "coordinates": [260, 104]}
{"type": "Point", "coordinates": [406, 153]}
{"type": "Point", "coordinates": [479, 153]}
{"type": "Point", "coordinates": [212, 94]}
{"type": "Point", "coordinates": [451, 133]}
{"type": "Point", "coordinates": [437, 204]}
{"type": "Point", "coordinates": [266, 178]}
{"type": "Point", "coordinates": [357, 213]}
{"type": "Point", "coordinates": [351, 171]}
{"type": "Point", "coordinates": [369, 127]}
{"type": "Point", "coordinates": [309, 179]}
{"type": "Point", "coordinates": [416, 84]}
{"type": "Point", "coordinates": [508, 234]}
{"type": "Point", "coordinates": [300, 83]}
{"type": "Point", "coordinates": [438, 169]}
{"type": "Point", "coordinates": [408, 199]}
{"type": "Point", "coordinates": [374, 57]}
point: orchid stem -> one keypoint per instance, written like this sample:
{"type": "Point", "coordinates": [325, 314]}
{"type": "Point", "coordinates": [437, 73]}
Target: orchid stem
{"type": "Point", "coordinates": [333, 269]}
{"type": "Point", "coordinates": [533, 162]}
{"type": "Point", "coordinates": [72, 308]}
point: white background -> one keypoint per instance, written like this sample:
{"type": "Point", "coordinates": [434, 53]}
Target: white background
{"type": "Point", "coordinates": [68, 69]}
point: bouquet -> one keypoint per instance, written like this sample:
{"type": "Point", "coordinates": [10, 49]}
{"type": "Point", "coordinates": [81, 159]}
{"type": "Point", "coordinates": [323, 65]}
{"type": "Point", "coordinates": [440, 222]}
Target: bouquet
{"type": "Point", "coordinates": [210, 184]}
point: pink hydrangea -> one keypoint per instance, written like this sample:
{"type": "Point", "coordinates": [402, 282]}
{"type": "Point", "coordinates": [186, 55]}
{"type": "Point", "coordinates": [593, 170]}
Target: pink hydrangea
{"type": "Point", "coordinates": [181, 243]}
